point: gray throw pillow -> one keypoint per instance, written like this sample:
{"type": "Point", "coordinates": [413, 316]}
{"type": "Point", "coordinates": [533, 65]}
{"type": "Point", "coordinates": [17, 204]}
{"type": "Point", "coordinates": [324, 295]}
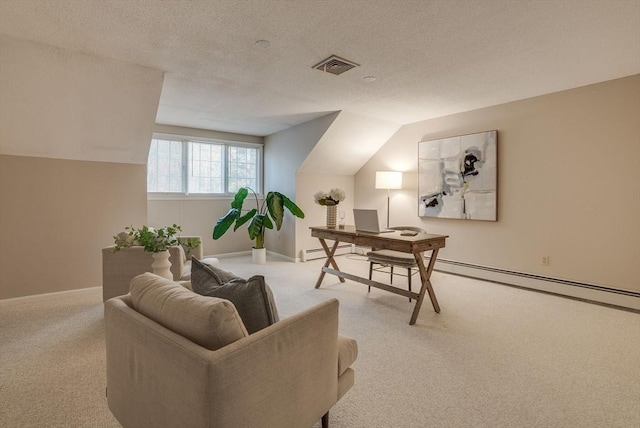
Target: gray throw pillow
{"type": "Point", "coordinates": [206, 271]}
{"type": "Point", "coordinates": [252, 297]}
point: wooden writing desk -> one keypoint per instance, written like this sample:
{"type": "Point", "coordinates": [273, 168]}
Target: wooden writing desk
{"type": "Point", "coordinates": [415, 245]}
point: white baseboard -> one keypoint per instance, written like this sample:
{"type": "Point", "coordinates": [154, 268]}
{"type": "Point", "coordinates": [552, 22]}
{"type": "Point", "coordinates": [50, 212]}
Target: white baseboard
{"type": "Point", "coordinates": [248, 253]}
{"type": "Point", "coordinates": [591, 292]}
{"type": "Point", "coordinates": [227, 255]}
{"type": "Point", "coordinates": [283, 257]}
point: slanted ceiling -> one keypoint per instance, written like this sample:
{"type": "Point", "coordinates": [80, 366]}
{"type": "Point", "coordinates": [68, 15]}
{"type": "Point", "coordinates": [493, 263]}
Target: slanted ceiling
{"type": "Point", "coordinates": [63, 104]}
{"type": "Point", "coordinates": [431, 57]}
{"type": "Point", "coordinates": [347, 144]}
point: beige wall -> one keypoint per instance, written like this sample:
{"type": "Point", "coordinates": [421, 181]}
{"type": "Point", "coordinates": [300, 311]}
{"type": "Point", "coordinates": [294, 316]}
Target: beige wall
{"type": "Point", "coordinates": [316, 215]}
{"type": "Point", "coordinates": [75, 131]}
{"type": "Point", "coordinates": [197, 217]}
{"type": "Point", "coordinates": [568, 186]}
{"type": "Point", "coordinates": [284, 153]}
{"type": "Point", "coordinates": [57, 215]}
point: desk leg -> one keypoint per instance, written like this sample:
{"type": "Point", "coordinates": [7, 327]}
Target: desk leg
{"type": "Point", "coordinates": [425, 275]}
{"type": "Point", "coordinates": [330, 260]}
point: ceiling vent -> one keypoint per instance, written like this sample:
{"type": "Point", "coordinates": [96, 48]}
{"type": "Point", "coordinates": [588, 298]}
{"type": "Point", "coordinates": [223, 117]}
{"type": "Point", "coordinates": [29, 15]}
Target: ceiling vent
{"type": "Point", "coordinates": [335, 65]}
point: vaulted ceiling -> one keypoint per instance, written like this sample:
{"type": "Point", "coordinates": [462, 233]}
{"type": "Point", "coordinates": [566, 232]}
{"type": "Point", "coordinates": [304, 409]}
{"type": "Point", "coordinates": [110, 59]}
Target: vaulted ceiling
{"type": "Point", "coordinates": [429, 57]}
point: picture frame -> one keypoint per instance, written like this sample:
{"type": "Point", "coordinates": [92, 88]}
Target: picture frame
{"type": "Point", "coordinates": [458, 177]}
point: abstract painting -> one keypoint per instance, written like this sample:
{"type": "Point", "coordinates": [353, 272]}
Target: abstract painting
{"type": "Point", "coordinates": [458, 177]}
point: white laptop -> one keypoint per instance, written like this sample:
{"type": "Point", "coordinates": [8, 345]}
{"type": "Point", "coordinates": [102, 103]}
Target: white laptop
{"type": "Point", "coordinates": [367, 221]}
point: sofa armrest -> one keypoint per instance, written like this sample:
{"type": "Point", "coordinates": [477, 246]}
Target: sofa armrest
{"type": "Point", "coordinates": [285, 375]}
{"type": "Point", "coordinates": [197, 252]}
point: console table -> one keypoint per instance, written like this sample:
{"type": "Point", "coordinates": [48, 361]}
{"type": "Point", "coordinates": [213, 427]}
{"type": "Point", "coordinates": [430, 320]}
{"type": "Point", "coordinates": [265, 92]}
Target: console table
{"type": "Point", "coordinates": [415, 245]}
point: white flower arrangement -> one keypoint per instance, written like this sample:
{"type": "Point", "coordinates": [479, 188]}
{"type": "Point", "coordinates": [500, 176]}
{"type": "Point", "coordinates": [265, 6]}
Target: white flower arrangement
{"type": "Point", "coordinates": [332, 198]}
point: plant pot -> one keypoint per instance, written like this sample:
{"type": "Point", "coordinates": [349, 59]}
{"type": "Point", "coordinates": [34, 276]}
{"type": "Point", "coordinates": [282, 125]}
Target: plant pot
{"type": "Point", "coordinates": [161, 265]}
{"type": "Point", "coordinates": [259, 256]}
{"type": "Point", "coordinates": [332, 216]}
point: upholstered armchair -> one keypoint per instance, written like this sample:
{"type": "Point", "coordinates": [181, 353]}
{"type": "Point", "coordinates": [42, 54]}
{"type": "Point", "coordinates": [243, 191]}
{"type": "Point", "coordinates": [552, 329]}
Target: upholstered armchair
{"type": "Point", "coordinates": [120, 267]}
{"type": "Point", "coordinates": [179, 359]}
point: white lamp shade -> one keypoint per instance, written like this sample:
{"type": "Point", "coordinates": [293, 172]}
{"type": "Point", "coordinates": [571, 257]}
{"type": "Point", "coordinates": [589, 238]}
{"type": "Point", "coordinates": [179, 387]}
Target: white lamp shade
{"type": "Point", "coordinates": [388, 180]}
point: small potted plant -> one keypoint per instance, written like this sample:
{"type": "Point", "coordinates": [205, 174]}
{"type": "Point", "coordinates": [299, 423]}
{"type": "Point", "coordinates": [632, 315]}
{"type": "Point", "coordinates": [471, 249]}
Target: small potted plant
{"type": "Point", "coordinates": [331, 201]}
{"type": "Point", "coordinates": [260, 218]}
{"type": "Point", "coordinates": [156, 242]}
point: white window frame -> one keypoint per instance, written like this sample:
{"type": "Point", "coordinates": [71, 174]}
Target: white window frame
{"type": "Point", "coordinates": [184, 194]}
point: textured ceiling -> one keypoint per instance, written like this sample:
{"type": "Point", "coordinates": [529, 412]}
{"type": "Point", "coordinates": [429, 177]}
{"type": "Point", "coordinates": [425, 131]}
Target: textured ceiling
{"type": "Point", "coordinates": [430, 58]}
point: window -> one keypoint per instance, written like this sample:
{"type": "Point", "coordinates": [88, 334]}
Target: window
{"type": "Point", "coordinates": [164, 166]}
{"type": "Point", "coordinates": [243, 168]}
{"type": "Point", "coordinates": [206, 168]}
{"type": "Point", "coordinates": [189, 166]}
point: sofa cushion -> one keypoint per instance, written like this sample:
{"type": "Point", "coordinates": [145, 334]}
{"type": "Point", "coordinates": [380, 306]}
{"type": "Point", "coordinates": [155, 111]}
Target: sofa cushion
{"type": "Point", "coordinates": [391, 257]}
{"type": "Point", "coordinates": [210, 322]}
{"type": "Point", "coordinates": [347, 353]}
{"type": "Point", "coordinates": [252, 297]}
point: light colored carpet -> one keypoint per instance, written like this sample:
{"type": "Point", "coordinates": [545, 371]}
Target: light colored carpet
{"type": "Point", "coordinates": [496, 356]}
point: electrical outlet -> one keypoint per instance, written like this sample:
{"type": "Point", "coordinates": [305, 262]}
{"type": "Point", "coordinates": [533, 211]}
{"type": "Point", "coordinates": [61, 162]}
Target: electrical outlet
{"type": "Point", "coordinates": [545, 261]}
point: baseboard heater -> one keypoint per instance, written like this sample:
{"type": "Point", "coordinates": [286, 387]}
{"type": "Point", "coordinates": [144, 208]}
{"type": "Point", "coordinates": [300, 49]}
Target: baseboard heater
{"type": "Point", "coordinates": [318, 253]}
{"type": "Point", "coordinates": [592, 292]}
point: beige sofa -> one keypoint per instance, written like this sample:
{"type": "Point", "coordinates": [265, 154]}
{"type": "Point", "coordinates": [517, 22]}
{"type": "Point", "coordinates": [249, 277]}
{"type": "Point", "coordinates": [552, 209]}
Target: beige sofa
{"type": "Point", "coordinates": [120, 267]}
{"type": "Point", "coordinates": [178, 359]}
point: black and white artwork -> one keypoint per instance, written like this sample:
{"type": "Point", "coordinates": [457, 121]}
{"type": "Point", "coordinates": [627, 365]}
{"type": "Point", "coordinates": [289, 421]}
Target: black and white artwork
{"type": "Point", "coordinates": [458, 177]}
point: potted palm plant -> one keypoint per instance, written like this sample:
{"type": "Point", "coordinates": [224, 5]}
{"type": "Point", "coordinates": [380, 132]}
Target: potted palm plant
{"type": "Point", "coordinates": [264, 216]}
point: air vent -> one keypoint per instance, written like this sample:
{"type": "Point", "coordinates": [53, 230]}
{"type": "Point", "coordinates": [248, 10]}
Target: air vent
{"type": "Point", "coordinates": [335, 65]}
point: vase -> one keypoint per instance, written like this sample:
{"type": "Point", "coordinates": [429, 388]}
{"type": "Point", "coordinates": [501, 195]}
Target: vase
{"type": "Point", "coordinates": [259, 256]}
{"type": "Point", "coordinates": [161, 265]}
{"type": "Point", "coordinates": [332, 216]}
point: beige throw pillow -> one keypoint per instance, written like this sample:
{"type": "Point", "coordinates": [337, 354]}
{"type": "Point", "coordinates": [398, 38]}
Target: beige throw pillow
{"type": "Point", "coordinates": [210, 322]}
